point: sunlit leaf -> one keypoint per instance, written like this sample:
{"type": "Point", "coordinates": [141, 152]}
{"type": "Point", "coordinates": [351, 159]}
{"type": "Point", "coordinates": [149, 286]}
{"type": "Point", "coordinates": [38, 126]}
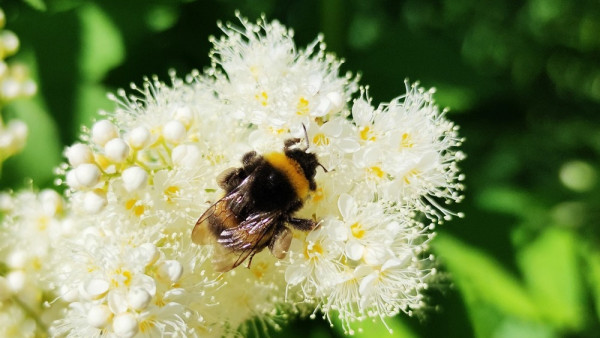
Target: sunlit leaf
{"type": "Point", "coordinates": [593, 272]}
{"type": "Point", "coordinates": [40, 5]}
{"type": "Point", "coordinates": [43, 149]}
{"type": "Point", "coordinates": [549, 265]}
{"type": "Point", "coordinates": [102, 46]}
{"type": "Point", "coordinates": [489, 290]}
{"type": "Point", "coordinates": [375, 328]}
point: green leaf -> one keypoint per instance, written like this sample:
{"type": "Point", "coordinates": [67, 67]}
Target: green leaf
{"type": "Point", "coordinates": [43, 148]}
{"type": "Point", "coordinates": [549, 265]}
{"type": "Point", "coordinates": [40, 5]}
{"type": "Point", "coordinates": [374, 328]}
{"type": "Point", "coordinates": [510, 200]}
{"type": "Point", "coordinates": [593, 264]}
{"type": "Point", "coordinates": [102, 45]}
{"type": "Point", "coordinates": [90, 99]}
{"type": "Point", "coordinates": [490, 292]}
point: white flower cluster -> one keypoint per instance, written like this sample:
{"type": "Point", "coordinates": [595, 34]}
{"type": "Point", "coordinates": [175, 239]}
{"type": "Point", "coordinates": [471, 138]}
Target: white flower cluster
{"type": "Point", "coordinates": [14, 83]}
{"type": "Point", "coordinates": [31, 223]}
{"type": "Point", "coordinates": [140, 178]}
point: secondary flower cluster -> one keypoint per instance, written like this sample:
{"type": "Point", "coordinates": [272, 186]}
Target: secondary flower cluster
{"type": "Point", "coordinates": [141, 176]}
{"type": "Point", "coordinates": [14, 83]}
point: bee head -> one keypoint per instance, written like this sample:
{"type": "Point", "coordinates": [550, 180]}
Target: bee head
{"type": "Point", "coordinates": [308, 161]}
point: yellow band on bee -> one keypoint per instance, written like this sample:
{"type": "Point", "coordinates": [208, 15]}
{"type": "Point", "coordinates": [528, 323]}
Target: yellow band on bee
{"type": "Point", "coordinates": [292, 170]}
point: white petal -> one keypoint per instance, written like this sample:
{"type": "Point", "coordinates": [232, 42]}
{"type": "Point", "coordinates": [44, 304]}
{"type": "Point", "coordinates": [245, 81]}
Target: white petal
{"type": "Point", "coordinates": [354, 250]}
{"type": "Point", "coordinates": [294, 274]}
{"type": "Point", "coordinates": [96, 288]}
{"type": "Point", "coordinates": [347, 206]}
{"type": "Point", "coordinates": [117, 301]}
{"type": "Point", "coordinates": [348, 145]}
{"type": "Point", "coordinates": [138, 298]}
{"type": "Point", "coordinates": [99, 316]}
{"type": "Point", "coordinates": [170, 270]}
{"type": "Point", "coordinates": [125, 325]}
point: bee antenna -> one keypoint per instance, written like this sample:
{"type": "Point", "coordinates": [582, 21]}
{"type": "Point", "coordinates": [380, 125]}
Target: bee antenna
{"type": "Point", "coordinates": [306, 138]}
{"type": "Point", "coordinates": [322, 166]}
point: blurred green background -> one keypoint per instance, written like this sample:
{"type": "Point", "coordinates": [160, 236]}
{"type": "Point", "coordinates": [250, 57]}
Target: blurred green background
{"type": "Point", "coordinates": [522, 79]}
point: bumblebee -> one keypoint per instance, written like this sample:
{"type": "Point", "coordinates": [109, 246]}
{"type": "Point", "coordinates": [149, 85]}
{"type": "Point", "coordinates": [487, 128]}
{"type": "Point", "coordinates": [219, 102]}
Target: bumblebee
{"type": "Point", "coordinates": [257, 209]}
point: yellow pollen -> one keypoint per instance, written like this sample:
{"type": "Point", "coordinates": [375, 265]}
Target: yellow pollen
{"type": "Point", "coordinates": [263, 97]}
{"type": "Point", "coordinates": [318, 195]}
{"type": "Point", "coordinates": [302, 106]}
{"type": "Point", "coordinates": [411, 174]}
{"type": "Point", "coordinates": [375, 170]}
{"type": "Point", "coordinates": [127, 275]}
{"type": "Point", "coordinates": [321, 140]}
{"type": "Point", "coordinates": [311, 251]}
{"type": "Point", "coordinates": [357, 230]}
{"type": "Point", "coordinates": [138, 210]}
{"type": "Point", "coordinates": [366, 134]}
{"type": "Point", "coordinates": [158, 300]}
{"type": "Point", "coordinates": [146, 325]}
{"type": "Point", "coordinates": [102, 161]}
{"type": "Point", "coordinates": [277, 131]}
{"type": "Point", "coordinates": [259, 269]}
{"type": "Point", "coordinates": [171, 192]}
{"type": "Point", "coordinates": [42, 223]}
{"type": "Point", "coordinates": [406, 141]}
{"type": "Point", "coordinates": [36, 263]}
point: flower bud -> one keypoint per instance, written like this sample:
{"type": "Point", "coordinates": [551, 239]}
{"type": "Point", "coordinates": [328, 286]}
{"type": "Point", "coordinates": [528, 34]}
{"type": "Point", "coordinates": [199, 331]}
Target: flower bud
{"type": "Point", "coordinates": [134, 178]}
{"type": "Point", "coordinates": [72, 180]}
{"type": "Point", "coordinates": [10, 42]}
{"type": "Point", "coordinates": [104, 131]}
{"type": "Point", "coordinates": [99, 316]}
{"type": "Point", "coordinates": [337, 101]}
{"type": "Point", "coordinates": [138, 298]}
{"type": "Point", "coordinates": [10, 88]}
{"type": "Point", "coordinates": [174, 131]}
{"type": "Point", "coordinates": [16, 280]}
{"type": "Point", "coordinates": [96, 288]}
{"type": "Point", "coordinates": [170, 271]}
{"type": "Point", "coordinates": [78, 154]}
{"type": "Point", "coordinates": [17, 259]}
{"type": "Point", "coordinates": [116, 150]}
{"type": "Point", "coordinates": [186, 155]}
{"type": "Point", "coordinates": [184, 115]}
{"type": "Point", "coordinates": [87, 174]}
{"type": "Point", "coordinates": [139, 138]}
{"type": "Point", "coordinates": [125, 325]}
{"type": "Point", "coordinates": [148, 253]}
{"type": "Point", "coordinates": [94, 201]}
{"type": "Point", "coordinates": [28, 88]}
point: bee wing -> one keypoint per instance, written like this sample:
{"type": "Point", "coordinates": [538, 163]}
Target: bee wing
{"type": "Point", "coordinates": [221, 215]}
{"type": "Point", "coordinates": [251, 236]}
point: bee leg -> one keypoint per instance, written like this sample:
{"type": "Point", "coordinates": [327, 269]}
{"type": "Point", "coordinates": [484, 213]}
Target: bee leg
{"type": "Point", "coordinates": [290, 142]}
{"type": "Point", "coordinates": [250, 260]}
{"type": "Point", "coordinates": [280, 242]}
{"type": "Point", "coordinates": [249, 161]}
{"type": "Point", "coordinates": [302, 224]}
{"type": "Point", "coordinates": [230, 178]}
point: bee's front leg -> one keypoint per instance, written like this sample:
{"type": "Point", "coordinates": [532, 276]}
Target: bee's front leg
{"type": "Point", "coordinates": [302, 224]}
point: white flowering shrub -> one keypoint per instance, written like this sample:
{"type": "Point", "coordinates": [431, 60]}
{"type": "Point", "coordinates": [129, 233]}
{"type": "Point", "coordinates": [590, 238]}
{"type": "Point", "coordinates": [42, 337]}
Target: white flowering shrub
{"type": "Point", "coordinates": [140, 178]}
{"type": "Point", "coordinates": [14, 83]}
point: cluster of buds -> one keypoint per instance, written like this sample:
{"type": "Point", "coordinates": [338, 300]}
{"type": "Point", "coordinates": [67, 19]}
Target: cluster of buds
{"type": "Point", "coordinates": [14, 83]}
